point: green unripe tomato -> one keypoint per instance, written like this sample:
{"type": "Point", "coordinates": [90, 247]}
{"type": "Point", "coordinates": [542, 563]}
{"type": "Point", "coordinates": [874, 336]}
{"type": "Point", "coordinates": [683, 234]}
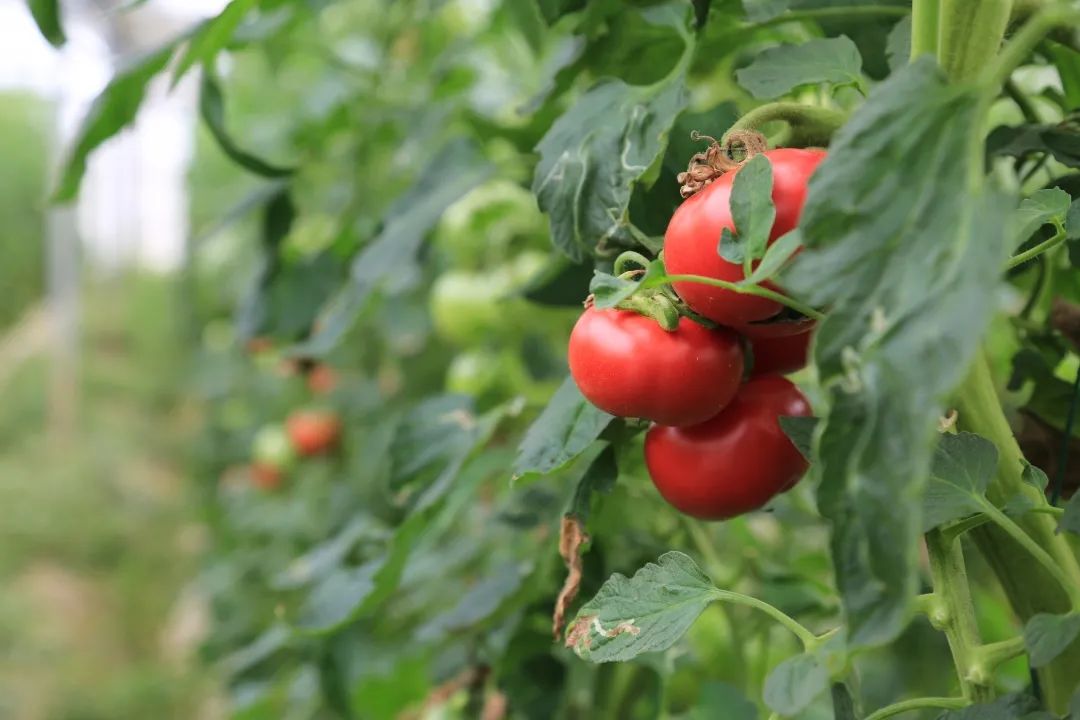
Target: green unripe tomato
{"type": "Point", "coordinates": [475, 373]}
{"type": "Point", "coordinates": [489, 223]}
{"type": "Point", "coordinates": [271, 447]}
{"type": "Point", "coordinates": [467, 308]}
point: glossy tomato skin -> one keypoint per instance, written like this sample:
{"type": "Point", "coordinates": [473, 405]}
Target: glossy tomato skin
{"type": "Point", "coordinates": [735, 462]}
{"type": "Point", "coordinates": [313, 431]}
{"type": "Point", "coordinates": [780, 354]}
{"type": "Point", "coordinates": [693, 235]}
{"type": "Point", "coordinates": [629, 366]}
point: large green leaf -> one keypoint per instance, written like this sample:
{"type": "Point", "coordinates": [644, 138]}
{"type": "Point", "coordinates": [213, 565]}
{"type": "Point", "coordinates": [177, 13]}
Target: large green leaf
{"type": "Point", "coordinates": [566, 427]}
{"type": "Point", "coordinates": [594, 155]}
{"type": "Point", "coordinates": [1062, 141]}
{"type": "Point", "coordinates": [405, 226]}
{"type": "Point", "coordinates": [907, 257]}
{"type": "Point", "coordinates": [646, 613]}
{"type": "Point", "coordinates": [47, 16]}
{"type": "Point", "coordinates": [111, 111]}
{"type": "Point", "coordinates": [780, 70]}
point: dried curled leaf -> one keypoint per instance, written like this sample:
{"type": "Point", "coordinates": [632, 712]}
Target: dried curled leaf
{"type": "Point", "coordinates": [572, 536]}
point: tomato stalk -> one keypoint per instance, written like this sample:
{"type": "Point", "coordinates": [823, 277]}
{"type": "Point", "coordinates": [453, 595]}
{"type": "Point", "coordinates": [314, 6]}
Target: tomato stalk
{"type": "Point", "coordinates": [807, 125]}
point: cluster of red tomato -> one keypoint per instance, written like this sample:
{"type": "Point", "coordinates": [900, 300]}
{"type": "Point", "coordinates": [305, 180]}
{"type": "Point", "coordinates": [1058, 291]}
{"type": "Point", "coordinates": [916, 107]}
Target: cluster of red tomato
{"type": "Point", "coordinates": [305, 433]}
{"type": "Point", "coordinates": [714, 394]}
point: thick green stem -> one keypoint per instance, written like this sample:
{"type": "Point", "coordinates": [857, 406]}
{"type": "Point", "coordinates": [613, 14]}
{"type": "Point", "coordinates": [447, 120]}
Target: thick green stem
{"type": "Point", "coordinates": [808, 126]}
{"type": "Point", "coordinates": [924, 27]}
{"type": "Point", "coordinates": [969, 35]}
{"type": "Point", "coordinates": [955, 615]}
{"type": "Point", "coordinates": [1031, 589]}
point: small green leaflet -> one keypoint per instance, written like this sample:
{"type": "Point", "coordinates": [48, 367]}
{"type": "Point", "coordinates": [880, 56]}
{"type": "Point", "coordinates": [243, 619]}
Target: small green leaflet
{"type": "Point", "coordinates": [1070, 521]}
{"type": "Point", "coordinates": [898, 44]}
{"type": "Point", "coordinates": [1047, 636]}
{"type": "Point", "coordinates": [608, 290]}
{"type": "Point", "coordinates": [961, 470]}
{"type": "Point", "coordinates": [752, 210]}
{"type": "Point", "coordinates": [800, 430]}
{"type": "Point", "coordinates": [780, 70]}
{"type": "Point", "coordinates": [794, 684]}
{"type": "Point", "coordinates": [566, 427]}
{"type": "Point", "coordinates": [646, 613]}
{"type": "Point", "coordinates": [775, 258]}
{"type": "Point", "coordinates": [1044, 206]}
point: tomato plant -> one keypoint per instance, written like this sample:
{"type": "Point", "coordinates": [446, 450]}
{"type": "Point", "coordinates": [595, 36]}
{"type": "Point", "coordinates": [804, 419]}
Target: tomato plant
{"type": "Point", "coordinates": [882, 193]}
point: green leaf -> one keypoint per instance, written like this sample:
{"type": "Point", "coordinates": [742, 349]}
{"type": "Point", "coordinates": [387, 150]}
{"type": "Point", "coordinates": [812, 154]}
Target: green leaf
{"type": "Point", "coordinates": [898, 44]}
{"type": "Point", "coordinates": [962, 468]}
{"type": "Point", "coordinates": [111, 111]}
{"type": "Point", "coordinates": [1074, 706]}
{"type": "Point", "coordinates": [794, 683]}
{"type": "Point", "coordinates": [752, 207]}
{"type": "Point", "coordinates": [800, 430]}
{"type": "Point", "coordinates": [780, 70]}
{"type": "Point", "coordinates": [350, 593]}
{"type": "Point", "coordinates": [211, 36]}
{"type": "Point", "coordinates": [592, 157]}
{"type": "Point", "coordinates": [1062, 141]}
{"type": "Point", "coordinates": [641, 46]}
{"type": "Point", "coordinates": [1047, 636]}
{"type": "Point", "coordinates": [600, 477]}
{"type": "Point", "coordinates": [566, 427]}
{"type": "Point", "coordinates": [404, 228]}
{"type": "Point", "coordinates": [776, 256]}
{"type": "Point", "coordinates": [212, 110]}
{"type": "Point", "coordinates": [761, 10]}
{"type": "Point", "coordinates": [646, 613]}
{"type": "Point", "coordinates": [720, 700]}
{"type": "Point", "coordinates": [552, 10]}
{"type": "Point", "coordinates": [1067, 62]}
{"type": "Point", "coordinates": [481, 601]}
{"type": "Point", "coordinates": [730, 247]}
{"type": "Point", "coordinates": [1011, 707]}
{"type": "Point", "coordinates": [608, 290]}
{"type": "Point", "coordinates": [1044, 206]}
{"type": "Point", "coordinates": [47, 16]}
{"type": "Point", "coordinates": [1070, 521]}
{"type": "Point", "coordinates": [908, 260]}
{"type": "Point", "coordinates": [1072, 220]}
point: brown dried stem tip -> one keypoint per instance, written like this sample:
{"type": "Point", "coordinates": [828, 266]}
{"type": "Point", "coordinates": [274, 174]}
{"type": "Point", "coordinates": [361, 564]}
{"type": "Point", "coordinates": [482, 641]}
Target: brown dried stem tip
{"type": "Point", "coordinates": [719, 158]}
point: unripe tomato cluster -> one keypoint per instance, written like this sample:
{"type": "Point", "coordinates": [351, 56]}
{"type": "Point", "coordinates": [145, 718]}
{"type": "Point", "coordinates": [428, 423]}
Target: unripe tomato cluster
{"type": "Point", "coordinates": [715, 394]}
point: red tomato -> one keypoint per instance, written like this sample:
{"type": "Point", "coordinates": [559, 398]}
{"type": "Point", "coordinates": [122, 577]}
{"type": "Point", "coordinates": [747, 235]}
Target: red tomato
{"type": "Point", "coordinates": [265, 476]}
{"type": "Point", "coordinates": [313, 431]}
{"type": "Point", "coordinates": [693, 235]}
{"type": "Point", "coordinates": [781, 354]}
{"type": "Point", "coordinates": [735, 462]}
{"type": "Point", "coordinates": [626, 364]}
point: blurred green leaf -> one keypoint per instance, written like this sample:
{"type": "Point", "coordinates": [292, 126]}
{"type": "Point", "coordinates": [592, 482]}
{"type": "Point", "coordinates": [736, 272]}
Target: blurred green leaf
{"type": "Point", "coordinates": [1070, 521]}
{"type": "Point", "coordinates": [566, 427]}
{"type": "Point", "coordinates": [212, 36]}
{"type": "Point", "coordinates": [794, 683]}
{"type": "Point", "coordinates": [111, 111]}
{"type": "Point", "coordinates": [212, 110]}
{"type": "Point", "coordinates": [481, 601]}
{"type": "Point", "coordinates": [1062, 141]}
{"type": "Point", "coordinates": [843, 703]}
{"type": "Point", "coordinates": [720, 700]}
{"type": "Point", "coordinates": [46, 14]}
{"type": "Point", "coordinates": [600, 478]}
{"type": "Point", "coordinates": [898, 46]}
{"type": "Point", "coordinates": [800, 430]}
{"type": "Point", "coordinates": [779, 70]}
{"type": "Point", "coordinates": [904, 256]}
{"type": "Point", "coordinates": [395, 248]}
{"type": "Point", "coordinates": [776, 256]}
{"type": "Point", "coordinates": [1047, 636]}
{"type": "Point", "coordinates": [646, 613]}
{"type": "Point", "coordinates": [1010, 707]}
